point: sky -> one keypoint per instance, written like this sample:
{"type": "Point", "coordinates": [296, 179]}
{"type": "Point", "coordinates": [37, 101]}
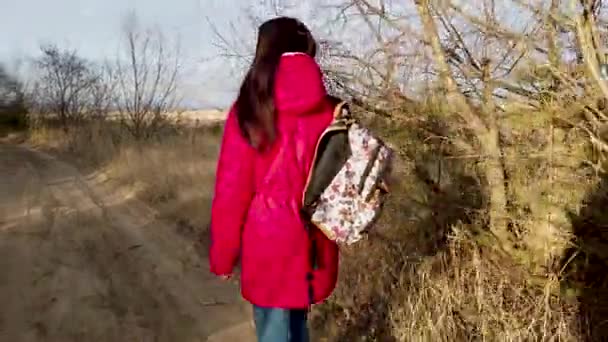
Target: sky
{"type": "Point", "coordinates": [92, 27]}
{"type": "Point", "coordinates": [208, 79]}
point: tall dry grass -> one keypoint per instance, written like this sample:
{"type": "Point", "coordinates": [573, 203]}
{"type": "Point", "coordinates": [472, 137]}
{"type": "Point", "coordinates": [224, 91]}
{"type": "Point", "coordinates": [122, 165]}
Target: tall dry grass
{"type": "Point", "coordinates": [174, 171]}
{"type": "Point", "coordinates": [467, 293]}
{"type": "Point", "coordinates": [391, 289]}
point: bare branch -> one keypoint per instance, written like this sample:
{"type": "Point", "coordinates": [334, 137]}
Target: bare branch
{"type": "Point", "coordinates": [147, 79]}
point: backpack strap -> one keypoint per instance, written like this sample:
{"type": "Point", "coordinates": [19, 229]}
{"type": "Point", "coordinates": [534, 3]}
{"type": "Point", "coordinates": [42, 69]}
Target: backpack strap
{"type": "Point", "coordinates": [342, 111]}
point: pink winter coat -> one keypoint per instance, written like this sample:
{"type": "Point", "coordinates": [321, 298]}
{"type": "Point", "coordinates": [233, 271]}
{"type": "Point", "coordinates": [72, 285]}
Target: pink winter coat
{"type": "Point", "coordinates": [258, 198]}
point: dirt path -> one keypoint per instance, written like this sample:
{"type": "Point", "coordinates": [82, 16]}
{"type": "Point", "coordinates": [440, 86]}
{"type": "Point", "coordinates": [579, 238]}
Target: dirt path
{"type": "Point", "coordinates": [81, 262]}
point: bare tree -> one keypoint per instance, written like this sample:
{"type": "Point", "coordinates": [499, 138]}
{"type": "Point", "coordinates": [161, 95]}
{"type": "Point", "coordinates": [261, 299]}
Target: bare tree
{"type": "Point", "coordinates": [102, 92]}
{"type": "Point", "coordinates": [474, 59]}
{"type": "Point", "coordinates": [64, 83]}
{"type": "Point", "coordinates": [13, 110]}
{"type": "Point", "coordinates": [483, 124]}
{"type": "Point", "coordinates": [147, 73]}
{"type": "Point", "coordinates": [8, 89]}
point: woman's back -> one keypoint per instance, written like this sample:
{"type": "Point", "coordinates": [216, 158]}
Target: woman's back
{"type": "Point", "coordinates": [261, 193]}
{"type": "Point", "coordinates": [269, 144]}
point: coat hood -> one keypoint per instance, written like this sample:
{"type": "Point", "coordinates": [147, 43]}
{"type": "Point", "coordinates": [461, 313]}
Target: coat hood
{"type": "Point", "coordinates": [299, 84]}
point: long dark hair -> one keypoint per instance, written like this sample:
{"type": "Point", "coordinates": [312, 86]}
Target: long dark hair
{"type": "Point", "coordinates": [255, 105]}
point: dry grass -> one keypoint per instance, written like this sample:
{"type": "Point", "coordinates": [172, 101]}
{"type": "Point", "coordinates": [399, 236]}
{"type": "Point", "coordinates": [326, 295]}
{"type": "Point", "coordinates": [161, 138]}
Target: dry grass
{"type": "Point", "coordinates": [430, 272]}
{"type": "Point", "coordinates": [468, 294]}
{"type": "Point", "coordinates": [396, 287]}
{"type": "Point", "coordinates": [173, 172]}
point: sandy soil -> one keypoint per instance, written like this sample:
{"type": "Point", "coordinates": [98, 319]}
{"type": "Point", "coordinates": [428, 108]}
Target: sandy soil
{"type": "Point", "coordinates": [82, 261]}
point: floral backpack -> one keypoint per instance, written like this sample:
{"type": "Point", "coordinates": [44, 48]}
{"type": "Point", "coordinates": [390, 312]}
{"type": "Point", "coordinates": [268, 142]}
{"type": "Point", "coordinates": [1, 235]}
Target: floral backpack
{"type": "Point", "coordinates": [346, 185]}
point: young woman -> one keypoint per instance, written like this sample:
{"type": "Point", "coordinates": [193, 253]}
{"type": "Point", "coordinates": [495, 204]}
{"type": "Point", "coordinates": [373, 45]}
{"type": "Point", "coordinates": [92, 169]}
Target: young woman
{"type": "Point", "coordinates": [267, 150]}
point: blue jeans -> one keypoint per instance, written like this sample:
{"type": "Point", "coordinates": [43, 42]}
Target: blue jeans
{"type": "Point", "coordinates": [280, 325]}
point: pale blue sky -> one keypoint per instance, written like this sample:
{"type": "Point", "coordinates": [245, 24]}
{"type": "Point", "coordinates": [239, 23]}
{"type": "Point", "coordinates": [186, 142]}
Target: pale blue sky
{"type": "Point", "coordinates": [92, 27]}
